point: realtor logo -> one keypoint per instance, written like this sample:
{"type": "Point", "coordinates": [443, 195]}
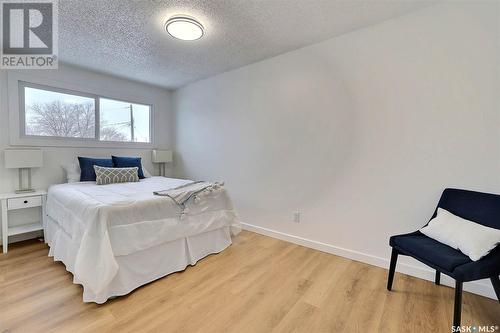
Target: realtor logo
{"type": "Point", "coordinates": [29, 34]}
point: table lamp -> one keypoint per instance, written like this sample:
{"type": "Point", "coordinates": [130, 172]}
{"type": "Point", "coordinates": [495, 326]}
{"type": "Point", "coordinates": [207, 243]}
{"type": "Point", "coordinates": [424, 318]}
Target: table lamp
{"type": "Point", "coordinates": [24, 160]}
{"type": "Point", "coordinates": [161, 157]}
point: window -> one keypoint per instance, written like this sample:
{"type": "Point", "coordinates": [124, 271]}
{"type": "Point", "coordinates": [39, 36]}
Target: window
{"type": "Point", "coordinates": [60, 113]}
{"type": "Point", "coordinates": [122, 121]}
{"type": "Point", "coordinates": [50, 113]}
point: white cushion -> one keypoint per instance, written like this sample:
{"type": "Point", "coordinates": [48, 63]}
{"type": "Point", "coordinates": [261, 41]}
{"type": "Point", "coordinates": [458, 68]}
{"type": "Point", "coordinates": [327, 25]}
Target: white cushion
{"type": "Point", "coordinates": [472, 239]}
{"type": "Point", "coordinates": [146, 173]}
{"type": "Point", "coordinates": [72, 172]}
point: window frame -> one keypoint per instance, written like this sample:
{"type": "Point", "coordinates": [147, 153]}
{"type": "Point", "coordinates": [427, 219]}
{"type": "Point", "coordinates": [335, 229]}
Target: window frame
{"type": "Point", "coordinates": [75, 141]}
{"type": "Point", "coordinates": [98, 119]}
{"type": "Point", "coordinates": [22, 112]}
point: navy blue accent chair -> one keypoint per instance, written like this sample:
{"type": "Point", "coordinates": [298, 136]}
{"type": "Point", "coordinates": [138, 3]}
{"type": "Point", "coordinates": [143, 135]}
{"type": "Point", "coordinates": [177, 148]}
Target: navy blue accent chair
{"type": "Point", "coordinates": [482, 208]}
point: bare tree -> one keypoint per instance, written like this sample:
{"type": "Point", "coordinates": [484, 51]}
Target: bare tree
{"type": "Point", "coordinates": [68, 120]}
{"type": "Point", "coordinates": [112, 134]}
{"type": "Point", "coordinates": [60, 119]}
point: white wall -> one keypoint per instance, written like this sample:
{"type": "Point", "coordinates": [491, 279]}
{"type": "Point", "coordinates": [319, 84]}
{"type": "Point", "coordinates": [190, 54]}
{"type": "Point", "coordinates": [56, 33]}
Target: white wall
{"type": "Point", "coordinates": [54, 157]}
{"type": "Point", "coordinates": [360, 133]}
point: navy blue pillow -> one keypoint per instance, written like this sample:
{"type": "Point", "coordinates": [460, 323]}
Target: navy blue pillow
{"type": "Point", "coordinates": [129, 162]}
{"type": "Point", "coordinates": [87, 167]}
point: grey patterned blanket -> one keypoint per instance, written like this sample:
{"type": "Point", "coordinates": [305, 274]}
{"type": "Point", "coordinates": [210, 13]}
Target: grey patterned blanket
{"type": "Point", "coordinates": [181, 194]}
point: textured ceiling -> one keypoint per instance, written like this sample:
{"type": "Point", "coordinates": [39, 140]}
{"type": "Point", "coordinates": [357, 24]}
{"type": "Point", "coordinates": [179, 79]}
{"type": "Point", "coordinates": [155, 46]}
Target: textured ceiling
{"type": "Point", "coordinates": [127, 38]}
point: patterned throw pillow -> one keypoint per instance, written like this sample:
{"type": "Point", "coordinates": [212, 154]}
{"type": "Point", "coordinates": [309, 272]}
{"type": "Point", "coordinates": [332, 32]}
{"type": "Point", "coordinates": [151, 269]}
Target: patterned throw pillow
{"type": "Point", "coordinates": [106, 176]}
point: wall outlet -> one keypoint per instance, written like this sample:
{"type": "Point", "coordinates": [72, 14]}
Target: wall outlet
{"type": "Point", "coordinates": [296, 216]}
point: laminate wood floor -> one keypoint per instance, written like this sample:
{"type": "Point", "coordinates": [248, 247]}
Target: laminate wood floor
{"type": "Point", "coordinates": [259, 284]}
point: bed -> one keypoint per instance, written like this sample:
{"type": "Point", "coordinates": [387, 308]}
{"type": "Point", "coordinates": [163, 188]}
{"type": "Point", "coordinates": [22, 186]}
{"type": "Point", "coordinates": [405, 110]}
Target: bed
{"type": "Point", "coordinates": [115, 238]}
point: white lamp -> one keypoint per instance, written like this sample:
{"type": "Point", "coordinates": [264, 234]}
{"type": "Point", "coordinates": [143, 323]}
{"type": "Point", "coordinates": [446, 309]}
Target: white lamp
{"type": "Point", "coordinates": [161, 157]}
{"type": "Point", "coordinates": [24, 160]}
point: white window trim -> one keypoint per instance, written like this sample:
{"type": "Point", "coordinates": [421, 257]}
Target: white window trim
{"type": "Point", "coordinates": [17, 122]}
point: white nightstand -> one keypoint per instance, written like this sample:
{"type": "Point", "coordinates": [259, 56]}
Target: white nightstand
{"type": "Point", "coordinates": [12, 201]}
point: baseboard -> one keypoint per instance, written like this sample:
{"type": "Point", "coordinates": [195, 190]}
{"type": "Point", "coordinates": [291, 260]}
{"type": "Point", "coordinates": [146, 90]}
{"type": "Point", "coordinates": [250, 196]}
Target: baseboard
{"type": "Point", "coordinates": [477, 287]}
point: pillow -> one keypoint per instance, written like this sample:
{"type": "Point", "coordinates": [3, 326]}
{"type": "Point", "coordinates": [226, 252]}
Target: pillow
{"type": "Point", "coordinates": [128, 162]}
{"type": "Point", "coordinates": [147, 174]}
{"type": "Point", "coordinates": [106, 176]}
{"type": "Point", "coordinates": [87, 167]}
{"type": "Point", "coordinates": [472, 239]}
{"type": "Point", "coordinates": [72, 172]}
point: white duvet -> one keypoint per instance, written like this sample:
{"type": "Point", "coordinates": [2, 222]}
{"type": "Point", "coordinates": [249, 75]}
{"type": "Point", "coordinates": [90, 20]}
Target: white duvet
{"type": "Point", "coordinates": [120, 219]}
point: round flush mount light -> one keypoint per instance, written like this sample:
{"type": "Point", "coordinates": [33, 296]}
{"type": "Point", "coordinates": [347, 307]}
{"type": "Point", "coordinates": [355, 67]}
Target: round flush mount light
{"type": "Point", "coordinates": [184, 27]}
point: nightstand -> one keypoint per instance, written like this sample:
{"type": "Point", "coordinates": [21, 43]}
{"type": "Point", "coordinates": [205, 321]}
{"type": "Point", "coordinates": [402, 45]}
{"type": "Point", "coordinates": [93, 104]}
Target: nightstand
{"type": "Point", "coordinates": [14, 201]}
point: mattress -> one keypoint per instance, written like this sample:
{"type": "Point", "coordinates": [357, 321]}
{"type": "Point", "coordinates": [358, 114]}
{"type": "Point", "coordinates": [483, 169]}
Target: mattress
{"type": "Point", "coordinates": [109, 221]}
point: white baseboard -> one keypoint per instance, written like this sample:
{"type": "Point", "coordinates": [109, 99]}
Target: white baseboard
{"type": "Point", "coordinates": [477, 287]}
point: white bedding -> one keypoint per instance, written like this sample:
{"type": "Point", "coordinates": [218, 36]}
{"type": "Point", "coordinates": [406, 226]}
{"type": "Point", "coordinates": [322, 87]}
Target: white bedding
{"type": "Point", "coordinates": [115, 220]}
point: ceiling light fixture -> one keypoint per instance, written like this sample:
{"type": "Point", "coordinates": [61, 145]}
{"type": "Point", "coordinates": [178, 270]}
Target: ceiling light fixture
{"type": "Point", "coordinates": [184, 27]}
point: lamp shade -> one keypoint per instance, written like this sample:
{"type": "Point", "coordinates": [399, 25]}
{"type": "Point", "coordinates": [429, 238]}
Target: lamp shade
{"type": "Point", "coordinates": [161, 156]}
{"type": "Point", "coordinates": [23, 158]}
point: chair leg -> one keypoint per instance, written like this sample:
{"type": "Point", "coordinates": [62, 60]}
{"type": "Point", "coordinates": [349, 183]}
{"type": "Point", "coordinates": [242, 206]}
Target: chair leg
{"type": "Point", "coordinates": [457, 314]}
{"type": "Point", "coordinates": [392, 268]}
{"type": "Point", "coordinates": [495, 281]}
{"type": "Point", "coordinates": [437, 280]}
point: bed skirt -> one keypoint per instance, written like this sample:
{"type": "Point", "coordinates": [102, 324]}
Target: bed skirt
{"type": "Point", "coordinates": [141, 267]}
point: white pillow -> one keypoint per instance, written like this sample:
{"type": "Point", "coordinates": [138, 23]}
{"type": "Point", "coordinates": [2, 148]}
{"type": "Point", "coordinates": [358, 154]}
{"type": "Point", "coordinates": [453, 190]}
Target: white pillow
{"type": "Point", "coordinates": [72, 172]}
{"type": "Point", "coordinates": [472, 239]}
{"type": "Point", "coordinates": [146, 172]}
